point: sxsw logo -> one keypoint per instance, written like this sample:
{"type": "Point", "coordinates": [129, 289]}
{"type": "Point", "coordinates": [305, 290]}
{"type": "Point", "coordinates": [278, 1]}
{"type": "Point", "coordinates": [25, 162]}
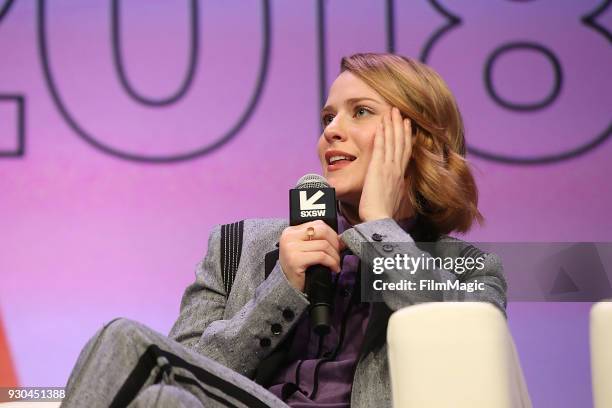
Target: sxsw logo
{"type": "Point", "coordinates": [309, 206]}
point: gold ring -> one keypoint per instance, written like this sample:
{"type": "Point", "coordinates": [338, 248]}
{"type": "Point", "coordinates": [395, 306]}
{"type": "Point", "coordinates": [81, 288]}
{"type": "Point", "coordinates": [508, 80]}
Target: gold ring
{"type": "Point", "coordinates": [310, 231]}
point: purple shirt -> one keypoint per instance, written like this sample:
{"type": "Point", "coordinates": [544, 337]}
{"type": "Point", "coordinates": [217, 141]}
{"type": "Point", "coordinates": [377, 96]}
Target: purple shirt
{"type": "Point", "coordinates": [327, 365]}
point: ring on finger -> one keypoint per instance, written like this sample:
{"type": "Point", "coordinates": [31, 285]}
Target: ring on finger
{"type": "Point", "coordinates": [310, 231]}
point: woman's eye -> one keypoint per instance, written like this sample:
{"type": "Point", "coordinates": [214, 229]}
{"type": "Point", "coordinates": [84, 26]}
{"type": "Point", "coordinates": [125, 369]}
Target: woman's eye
{"type": "Point", "coordinates": [327, 119]}
{"type": "Point", "coordinates": [361, 110]}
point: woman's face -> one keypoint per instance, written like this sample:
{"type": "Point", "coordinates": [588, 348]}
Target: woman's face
{"type": "Point", "coordinates": [350, 117]}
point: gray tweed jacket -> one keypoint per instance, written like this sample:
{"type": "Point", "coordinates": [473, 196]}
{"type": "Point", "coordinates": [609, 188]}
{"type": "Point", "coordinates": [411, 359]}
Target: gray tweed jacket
{"type": "Point", "coordinates": [230, 328]}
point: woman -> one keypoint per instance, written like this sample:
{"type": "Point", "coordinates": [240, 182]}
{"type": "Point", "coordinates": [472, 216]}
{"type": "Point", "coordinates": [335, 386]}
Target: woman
{"type": "Point", "coordinates": [393, 149]}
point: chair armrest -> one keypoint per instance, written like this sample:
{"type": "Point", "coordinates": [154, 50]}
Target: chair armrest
{"type": "Point", "coordinates": [454, 354]}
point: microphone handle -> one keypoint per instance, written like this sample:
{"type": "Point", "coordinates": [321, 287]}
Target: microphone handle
{"type": "Point", "coordinates": [318, 286]}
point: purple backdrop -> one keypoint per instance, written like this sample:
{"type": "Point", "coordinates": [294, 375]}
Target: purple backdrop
{"type": "Point", "coordinates": [93, 228]}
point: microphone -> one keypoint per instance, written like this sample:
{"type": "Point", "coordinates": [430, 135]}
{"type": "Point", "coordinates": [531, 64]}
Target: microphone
{"type": "Point", "coordinates": [314, 199]}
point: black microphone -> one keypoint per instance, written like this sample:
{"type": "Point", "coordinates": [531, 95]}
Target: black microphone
{"type": "Point", "coordinates": [314, 199]}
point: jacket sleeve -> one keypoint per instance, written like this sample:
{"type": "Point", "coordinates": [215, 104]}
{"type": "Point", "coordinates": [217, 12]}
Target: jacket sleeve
{"type": "Point", "coordinates": [242, 341]}
{"type": "Point", "coordinates": [400, 242]}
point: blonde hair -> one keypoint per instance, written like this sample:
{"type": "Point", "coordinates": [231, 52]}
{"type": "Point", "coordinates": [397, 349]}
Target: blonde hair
{"type": "Point", "coordinates": [442, 190]}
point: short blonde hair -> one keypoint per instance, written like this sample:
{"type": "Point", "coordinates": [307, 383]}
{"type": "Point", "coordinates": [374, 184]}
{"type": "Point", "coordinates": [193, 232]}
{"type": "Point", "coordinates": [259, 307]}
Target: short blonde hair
{"type": "Point", "coordinates": [442, 187]}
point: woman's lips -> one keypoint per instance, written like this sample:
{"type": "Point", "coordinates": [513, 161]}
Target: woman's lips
{"type": "Point", "coordinates": [339, 165]}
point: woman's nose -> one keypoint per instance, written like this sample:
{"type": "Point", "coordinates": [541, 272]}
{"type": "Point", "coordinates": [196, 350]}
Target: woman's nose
{"type": "Point", "coordinates": [334, 131]}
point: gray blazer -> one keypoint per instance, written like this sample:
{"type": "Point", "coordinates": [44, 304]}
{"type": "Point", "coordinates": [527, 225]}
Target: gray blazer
{"type": "Point", "coordinates": [230, 329]}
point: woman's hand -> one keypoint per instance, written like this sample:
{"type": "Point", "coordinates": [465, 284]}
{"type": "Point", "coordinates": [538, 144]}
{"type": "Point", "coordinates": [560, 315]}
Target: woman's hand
{"type": "Point", "coordinates": [297, 252]}
{"type": "Point", "coordinates": [385, 186]}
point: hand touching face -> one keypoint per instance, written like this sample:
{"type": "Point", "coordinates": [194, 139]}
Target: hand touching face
{"type": "Point", "coordinates": [384, 190]}
{"type": "Point", "coordinates": [353, 116]}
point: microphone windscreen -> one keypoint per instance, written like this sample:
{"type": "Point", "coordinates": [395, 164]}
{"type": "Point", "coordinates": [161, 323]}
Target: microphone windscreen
{"type": "Point", "coordinates": [312, 181]}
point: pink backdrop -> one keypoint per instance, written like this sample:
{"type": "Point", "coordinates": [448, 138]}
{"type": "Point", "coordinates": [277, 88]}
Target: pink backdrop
{"type": "Point", "coordinates": [89, 235]}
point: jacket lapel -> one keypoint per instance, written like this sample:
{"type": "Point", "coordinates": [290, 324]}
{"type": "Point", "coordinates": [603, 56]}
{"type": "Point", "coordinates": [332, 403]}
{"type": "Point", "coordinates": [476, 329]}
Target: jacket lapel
{"type": "Point", "coordinates": [270, 261]}
{"type": "Point", "coordinates": [376, 331]}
